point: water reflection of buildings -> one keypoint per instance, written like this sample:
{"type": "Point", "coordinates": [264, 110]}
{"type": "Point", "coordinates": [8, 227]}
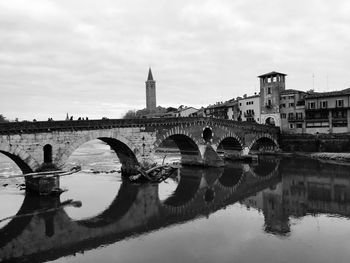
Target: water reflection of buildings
{"type": "Point", "coordinates": [308, 187]}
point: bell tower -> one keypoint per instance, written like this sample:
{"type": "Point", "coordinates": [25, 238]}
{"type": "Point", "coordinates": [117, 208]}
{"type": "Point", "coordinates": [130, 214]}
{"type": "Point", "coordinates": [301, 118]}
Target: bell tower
{"type": "Point", "coordinates": [271, 86]}
{"type": "Point", "coordinates": [151, 103]}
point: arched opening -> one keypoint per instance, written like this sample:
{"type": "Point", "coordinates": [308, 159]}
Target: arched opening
{"type": "Point", "coordinates": [24, 167]}
{"type": "Point", "coordinates": [179, 145]}
{"type": "Point", "coordinates": [110, 152]}
{"type": "Point", "coordinates": [187, 188]}
{"type": "Point", "coordinates": [47, 153]}
{"type": "Point", "coordinates": [101, 161]}
{"type": "Point", "coordinates": [117, 209]}
{"type": "Point", "coordinates": [264, 144]}
{"type": "Point", "coordinates": [231, 176]}
{"type": "Point", "coordinates": [207, 134]}
{"type": "Point", "coordinates": [265, 167]}
{"type": "Point", "coordinates": [11, 188]}
{"type": "Point", "coordinates": [270, 121]}
{"type": "Point", "coordinates": [229, 147]}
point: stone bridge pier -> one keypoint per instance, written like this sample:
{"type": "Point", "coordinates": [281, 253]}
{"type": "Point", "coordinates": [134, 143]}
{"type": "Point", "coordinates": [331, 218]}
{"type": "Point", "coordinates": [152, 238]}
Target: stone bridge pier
{"type": "Point", "coordinates": [36, 146]}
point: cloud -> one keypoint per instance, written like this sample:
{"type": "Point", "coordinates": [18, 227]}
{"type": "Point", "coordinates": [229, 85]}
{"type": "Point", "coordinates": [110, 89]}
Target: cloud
{"type": "Point", "coordinates": [200, 51]}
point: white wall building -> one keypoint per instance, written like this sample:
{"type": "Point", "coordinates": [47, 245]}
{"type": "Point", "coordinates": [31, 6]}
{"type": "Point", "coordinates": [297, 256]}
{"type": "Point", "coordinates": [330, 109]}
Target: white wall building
{"type": "Point", "coordinates": [186, 112]}
{"type": "Point", "coordinates": [250, 108]}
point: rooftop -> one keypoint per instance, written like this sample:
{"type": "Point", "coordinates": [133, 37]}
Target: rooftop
{"type": "Point", "coordinates": [292, 91]}
{"type": "Point", "coordinates": [328, 94]}
{"type": "Point", "coordinates": [250, 97]}
{"type": "Point", "coordinates": [272, 73]}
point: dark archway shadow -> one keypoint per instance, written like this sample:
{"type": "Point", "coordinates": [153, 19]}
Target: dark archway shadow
{"type": "Point", "coordinates": [188, 186]}
{"type": "Point", "coordinates": [117, 209]}
{"type": "Point", "coordinates": [229, 147]}
{"type": "Point", "coordinates": [19, 162]}
{"type": "Point", "coordinates": [231, 176]}
{"type": "Point", "coordinates": [263, 144]}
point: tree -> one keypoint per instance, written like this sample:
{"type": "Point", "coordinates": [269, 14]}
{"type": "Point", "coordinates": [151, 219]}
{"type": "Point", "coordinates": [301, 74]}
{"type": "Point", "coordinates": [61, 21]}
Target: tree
{"type": "Point", "coordinates": [3, 119]}
{"type": "Point", "coordinates": [131, 114]}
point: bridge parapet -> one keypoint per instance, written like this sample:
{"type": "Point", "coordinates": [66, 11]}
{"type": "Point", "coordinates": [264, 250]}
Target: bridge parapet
{"type": "Point", "coordinates": [47, 126]}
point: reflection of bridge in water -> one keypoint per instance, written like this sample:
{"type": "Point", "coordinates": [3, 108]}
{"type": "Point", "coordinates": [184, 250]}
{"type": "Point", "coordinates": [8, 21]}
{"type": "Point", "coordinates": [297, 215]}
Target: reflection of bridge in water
{"type": "Point", "coordinates": [135, 210]}
{"type": "Point", "coordinates": [280, 189]}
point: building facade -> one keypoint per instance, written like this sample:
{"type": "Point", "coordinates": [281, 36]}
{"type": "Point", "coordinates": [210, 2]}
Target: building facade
{"type": "Point", "coordinates": [151, 103]}
{"type": "Point", "coordinates": [292, 110]}
{"type": "Point", "coordinates": [228, 110]}
{"type": "Point", "coordinates": [186, 112]}
{"type": "Point", "coordinates": [249, 108]}
{"type": "Point", "coordinates": [328, 112]}
{"type": "Point", "coordinates": [271, 86]}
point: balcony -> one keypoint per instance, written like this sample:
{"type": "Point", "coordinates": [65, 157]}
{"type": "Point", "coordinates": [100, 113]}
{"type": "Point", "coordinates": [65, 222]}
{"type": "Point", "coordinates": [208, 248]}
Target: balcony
{"type": "Point", "coordinates": [296, 119]}
{"type": "Point", "coordinates": [308, 119]}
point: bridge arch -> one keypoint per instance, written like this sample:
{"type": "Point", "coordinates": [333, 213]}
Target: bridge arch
{"type": "Point", "coordinates": [22, 159]}
{"type": "Point", "coordinates": [127, 153]}
{"type": "Point", "coordinates": [231, 178]}
{"type": "Point", "coordinates": [229, 143]}
{"type": "Point", "coordinates": [265, 169]}
{"type": "Point", "coordinates": [186, 190]}
{"type": "Point", "coordinates": [120, 206]}
{"type": "Point", "coordinates": [187, 144]}
{"type": "Point", "coordinates": [264, 142]}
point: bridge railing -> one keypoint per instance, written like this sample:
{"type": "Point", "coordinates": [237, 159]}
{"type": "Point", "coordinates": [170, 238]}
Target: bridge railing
{"type": "Point", "coordinates": [45, 126]}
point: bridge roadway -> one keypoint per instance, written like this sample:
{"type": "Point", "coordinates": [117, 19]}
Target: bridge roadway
{"type": "Point", "coordinates": [135, 210]}
{"type": "Point", "coordinates": [34, 145]}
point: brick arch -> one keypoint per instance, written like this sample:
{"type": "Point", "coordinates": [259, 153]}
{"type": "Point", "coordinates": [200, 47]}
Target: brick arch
{"type": "Point", "coordinates": [175, 131]}
{"type": "Point", "coordinates": [22, 158]}
{"type": "Point", "coordinates": [234, 182]}
{"type": "Point", "coordinates": [270, 175]}
{"type": "Point", "coordinates": [192, 142]}
{"type": "Point", "coordinates": [61, 158]}
{"type": "Point", "coordinates": [226, 136]}
{"type": "Point", "coordinates": [265, 135]}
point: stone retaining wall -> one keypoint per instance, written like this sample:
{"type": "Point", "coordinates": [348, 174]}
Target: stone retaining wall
{"type": "Point", "coordinates": [315, 142]}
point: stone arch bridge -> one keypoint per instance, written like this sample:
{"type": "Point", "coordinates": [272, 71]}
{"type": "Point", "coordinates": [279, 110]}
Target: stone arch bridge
{"type": "Point", "coordinates": [33, 144]}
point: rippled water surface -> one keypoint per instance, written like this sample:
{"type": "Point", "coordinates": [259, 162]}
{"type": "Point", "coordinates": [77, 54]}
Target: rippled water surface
{"type": "Point", "coordinates": [276, 210]}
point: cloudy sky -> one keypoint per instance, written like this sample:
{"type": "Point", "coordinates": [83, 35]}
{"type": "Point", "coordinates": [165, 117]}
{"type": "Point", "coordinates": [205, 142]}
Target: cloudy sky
{"type": "Point", "coordinates": [90, 58]}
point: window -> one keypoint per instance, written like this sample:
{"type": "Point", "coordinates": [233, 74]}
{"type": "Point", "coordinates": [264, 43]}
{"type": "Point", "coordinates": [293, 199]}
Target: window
{"type": "Point", "coordinates": [240, 104]}
{"type": "Point", "coordinates": [323, 104]}
{"type": "Point", "coordinates": [299, 115]}
{"type": "Point", "coordinates": [339, 103]}
{"type": "Point", "coordinates": [299, 125]}
{"type": "Point", "coordinates": [283, 105]}
{"type": "Point", "coordinates": [268, 90]}
{"type": "Point", "coordinates": [283, 115]}
{"type": "Point", "coordinates": [291, 125]}
{"type": "Point", "coordinates": [291, 104]}
{"type": "Point", "coordinates": [311, 105]}
{"type": "Point", "coordinates": [290, 115]}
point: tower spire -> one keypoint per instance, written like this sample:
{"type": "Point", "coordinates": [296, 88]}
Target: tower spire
{"type": "Point", "coordinates": [150, 76]}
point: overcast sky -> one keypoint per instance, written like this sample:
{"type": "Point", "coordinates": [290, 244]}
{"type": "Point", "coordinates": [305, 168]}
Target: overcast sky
{"type": "Point", "coordinates": [91, 58]}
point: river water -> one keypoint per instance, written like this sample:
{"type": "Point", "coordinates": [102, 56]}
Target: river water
{"type": "Point", "coordinates": [275, 210]}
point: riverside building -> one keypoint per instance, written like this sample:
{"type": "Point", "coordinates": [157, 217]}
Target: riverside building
{"type": "Point", "coordinates": [328, 112]}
